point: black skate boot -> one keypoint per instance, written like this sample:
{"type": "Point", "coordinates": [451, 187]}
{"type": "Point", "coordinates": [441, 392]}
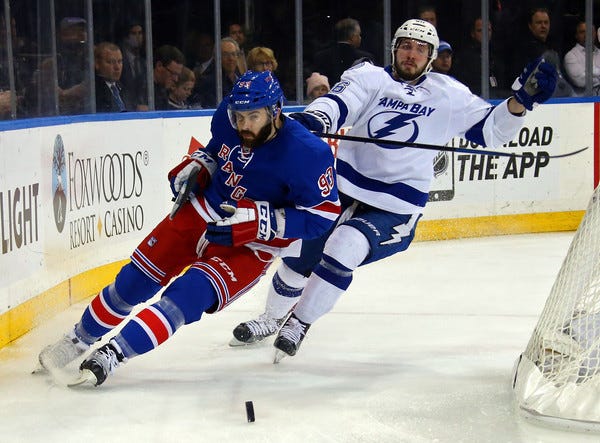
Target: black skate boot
{"type": "Point", "coordinates": [100, 364]}
{"type": "Point", "coordinates": [256, 330]}
{"type": "Point", "coordinates": [290, 337]}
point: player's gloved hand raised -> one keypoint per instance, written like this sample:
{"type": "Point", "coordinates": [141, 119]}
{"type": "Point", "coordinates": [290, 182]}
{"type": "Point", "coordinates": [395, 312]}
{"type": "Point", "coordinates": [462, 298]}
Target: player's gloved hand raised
{"type": "Point", "coordinates": [536, 83]}
{"type": "Point", "coordinates": [179, 175]}
{"type": "Point", "coordinates": [249, 221]}
{"type": "Point", "coordinates": [313, 121]}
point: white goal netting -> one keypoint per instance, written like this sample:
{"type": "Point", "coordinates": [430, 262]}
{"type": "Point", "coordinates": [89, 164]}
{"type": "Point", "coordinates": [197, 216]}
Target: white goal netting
{"type": "Point", "coordinates": [557, 378]}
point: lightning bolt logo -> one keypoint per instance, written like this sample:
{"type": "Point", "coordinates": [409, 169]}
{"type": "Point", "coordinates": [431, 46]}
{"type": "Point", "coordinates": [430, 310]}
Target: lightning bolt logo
{"type": "Point", "coordinates": [398, 126]}
{"type": "Point", "coordinates": [401, 231]}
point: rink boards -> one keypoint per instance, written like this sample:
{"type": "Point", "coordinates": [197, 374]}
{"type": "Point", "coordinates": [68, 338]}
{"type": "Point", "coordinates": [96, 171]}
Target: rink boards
{"type": "Point", "coordinates": [77, 194]}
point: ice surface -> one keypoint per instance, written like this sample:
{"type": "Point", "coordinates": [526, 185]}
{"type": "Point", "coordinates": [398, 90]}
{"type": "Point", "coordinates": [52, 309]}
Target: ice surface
{"type": "Point", "coordinates": [420, 349]}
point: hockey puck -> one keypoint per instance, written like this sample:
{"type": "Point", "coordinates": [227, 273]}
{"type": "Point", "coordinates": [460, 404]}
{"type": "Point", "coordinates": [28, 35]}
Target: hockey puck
{"type": "Point", "coordinates": [250, 411]}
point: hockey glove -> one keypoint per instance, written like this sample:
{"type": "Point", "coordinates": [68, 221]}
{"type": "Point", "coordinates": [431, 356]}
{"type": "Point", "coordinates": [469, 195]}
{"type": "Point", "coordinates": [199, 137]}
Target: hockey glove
{"type": "Point", "coordinates": [179, 175]}
{"type": "Point", "coordinates": [249, 221]}
{"type": "Point", "coordinates": [314, 121]}
{"type": "Point", "coordinates": [536, 83]}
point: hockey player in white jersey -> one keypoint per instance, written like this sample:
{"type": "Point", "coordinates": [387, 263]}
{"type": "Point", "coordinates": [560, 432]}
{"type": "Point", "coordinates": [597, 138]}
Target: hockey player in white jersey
{"type": "Point", "coordinates": [384, 188]}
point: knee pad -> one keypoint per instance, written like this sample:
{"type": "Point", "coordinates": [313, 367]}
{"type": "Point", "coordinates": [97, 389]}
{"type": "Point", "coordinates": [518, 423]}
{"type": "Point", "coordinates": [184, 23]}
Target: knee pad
{"type": "Point", "coordinates": [133, 286]}
{"type": "Point", "coordinates": [192, 294]}
{"type": "Point", "coordinates": [348, 246]}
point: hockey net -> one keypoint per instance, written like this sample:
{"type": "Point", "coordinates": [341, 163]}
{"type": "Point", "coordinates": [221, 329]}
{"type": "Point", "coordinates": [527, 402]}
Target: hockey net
{"type": "Point", "coordinates": [557, 378]}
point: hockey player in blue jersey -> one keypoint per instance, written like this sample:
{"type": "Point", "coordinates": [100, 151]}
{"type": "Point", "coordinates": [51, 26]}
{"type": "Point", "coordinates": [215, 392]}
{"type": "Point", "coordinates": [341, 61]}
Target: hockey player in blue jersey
{"type": "Point", "coordinates": [384, 188]}
{"type": "Point", "coordinates": [250, 201]}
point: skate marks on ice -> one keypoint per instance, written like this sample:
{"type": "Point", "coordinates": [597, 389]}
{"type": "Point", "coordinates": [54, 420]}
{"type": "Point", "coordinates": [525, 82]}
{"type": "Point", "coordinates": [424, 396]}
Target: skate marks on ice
{"type": "Point", "coordinates": [412, 353]}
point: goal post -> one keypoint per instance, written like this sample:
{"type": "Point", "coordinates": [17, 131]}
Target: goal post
{"type": "Point", "coordinates": [556, 379]}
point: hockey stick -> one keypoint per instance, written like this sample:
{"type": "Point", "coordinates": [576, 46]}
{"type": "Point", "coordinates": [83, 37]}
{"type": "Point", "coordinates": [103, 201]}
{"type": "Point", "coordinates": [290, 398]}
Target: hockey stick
{"type": "Point", "coordinates": [435, 147]}
{"type": "Point", "coordinates": [184, 192]}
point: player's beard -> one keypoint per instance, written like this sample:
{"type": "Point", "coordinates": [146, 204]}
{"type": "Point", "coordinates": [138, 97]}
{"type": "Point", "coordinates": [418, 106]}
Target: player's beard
{"type": "Point", "coordinates": [251, 140]}
{"type": "Point", "coordinates": [408, 76]}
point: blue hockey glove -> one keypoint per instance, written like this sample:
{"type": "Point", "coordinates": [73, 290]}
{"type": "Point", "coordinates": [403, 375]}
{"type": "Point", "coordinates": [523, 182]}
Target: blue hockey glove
{"type": "Point", "coordinates": [536, 83]}
{"type": "Point", "coordinates": [249, 221]}
{"type": "Point", "coordinates": [314, 121]}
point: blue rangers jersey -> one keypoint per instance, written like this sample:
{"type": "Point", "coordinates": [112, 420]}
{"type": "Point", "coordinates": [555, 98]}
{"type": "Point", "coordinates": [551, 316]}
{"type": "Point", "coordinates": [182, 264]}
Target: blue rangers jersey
{"type": "Point", "coordinates": [433, 111]}
{"type": "Point", "coordinates": [294, 170]}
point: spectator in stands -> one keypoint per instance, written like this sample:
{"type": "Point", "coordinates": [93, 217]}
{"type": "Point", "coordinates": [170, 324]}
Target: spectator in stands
{"type": "Point", "coordinates": [6, 95]}
{"type": "Point", "coordinates": [443, 62]}
{"type": "Point", "coordinates": [71, 69]}
{"type": "Point", "coordinates": [261, 59]}
{"type": "Point", "coordinates": [467, 64]}
{"type": "Point", "coordinates": [200, 52]}
{"type": "Point", "coordinates": [168, 64]}
{"type": "Point", "coordinates": [539, 45]}
{"type": "Point", "coordinates": [428, 13]}
{"type": "Point", "coordinates": [5, 104]}
{"type": "Point", "coordinates": [134, 78]}
{"type": "Point", "coordinates": [317, 85]}
{"type": "Point", "coordinates": [108, 62]}
{"type": "Point", "coordinates": [205, 91]}
{"type": "Point", "coordinates": [340, 55]}
{"type": "Point", "coordinates": [237, 32]}
{"type": "Point", "coordinates": [180, 93]}
{"type": "Point", "coordinates": [575, 61]}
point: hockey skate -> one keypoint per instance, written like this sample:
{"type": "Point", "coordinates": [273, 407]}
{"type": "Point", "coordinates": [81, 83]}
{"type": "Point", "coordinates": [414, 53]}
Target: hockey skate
{"type": "Point", "coordinates": [290, 337]}
{"type": "Point", "coordinates": [256, 330]}
{"type": "Point", "coordinates": [58, 355]}
{"type": "Point", "coordinates": [103, 361]}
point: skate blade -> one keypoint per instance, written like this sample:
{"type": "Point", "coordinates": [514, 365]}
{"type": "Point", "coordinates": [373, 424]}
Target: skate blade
{"type": "Point", "coordinates": [39, 370]}
{"type": "Point", "coordinates": [234, 343]}
{"type": "Point", "coordinates": [279, 355]}
{"type": "Point", "coordinates": [85, 376]}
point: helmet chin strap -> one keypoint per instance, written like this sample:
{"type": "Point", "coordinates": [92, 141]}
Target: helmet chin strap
{"type": "Point", "coordinates": [275, 124]}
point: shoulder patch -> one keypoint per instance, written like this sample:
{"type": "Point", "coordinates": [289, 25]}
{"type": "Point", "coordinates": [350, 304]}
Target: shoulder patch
{"type": "Point", "coordinates": [340, 86]}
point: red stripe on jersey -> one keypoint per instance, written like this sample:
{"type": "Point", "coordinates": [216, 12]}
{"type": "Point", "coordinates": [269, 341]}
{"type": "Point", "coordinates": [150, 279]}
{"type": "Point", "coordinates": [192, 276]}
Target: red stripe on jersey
{"type": "Point", "coordinates": [102, 314]}
{"type": "Point", "coordinates": [327, 206]}
{"type": "Point", "coordinates": [156, 324]}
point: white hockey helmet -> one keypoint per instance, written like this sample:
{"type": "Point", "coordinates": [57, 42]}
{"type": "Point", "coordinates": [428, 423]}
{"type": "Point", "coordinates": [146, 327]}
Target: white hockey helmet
{"type": "Point", "coordinates": [417, 30]}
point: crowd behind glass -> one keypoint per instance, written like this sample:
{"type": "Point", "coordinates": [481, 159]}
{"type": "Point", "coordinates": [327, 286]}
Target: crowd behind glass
{"type": "Point", "coordinates": [68, 57]}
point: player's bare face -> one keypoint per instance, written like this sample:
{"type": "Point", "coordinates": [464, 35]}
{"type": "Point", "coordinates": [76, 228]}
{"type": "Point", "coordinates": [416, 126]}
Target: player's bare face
{"type": "Point", "coordinates": [412, 57]}
{"type": "Point", "coordinates": [254, 127]}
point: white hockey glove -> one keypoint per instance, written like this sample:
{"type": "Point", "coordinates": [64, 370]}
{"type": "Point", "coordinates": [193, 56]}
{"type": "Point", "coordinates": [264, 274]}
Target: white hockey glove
{"type": "Point", "coordinates": [179, 175]}
{"type": "Point", "coordinates": [190, 176]}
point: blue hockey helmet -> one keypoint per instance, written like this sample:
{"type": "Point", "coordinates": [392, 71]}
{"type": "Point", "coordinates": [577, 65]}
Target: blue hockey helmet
{"type": "Point", "coordinates": [255, 90]}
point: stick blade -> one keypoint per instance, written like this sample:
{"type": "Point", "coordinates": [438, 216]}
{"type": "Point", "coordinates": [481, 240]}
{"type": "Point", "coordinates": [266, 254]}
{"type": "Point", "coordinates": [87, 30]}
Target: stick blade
{"type": "Point", "coordinates": [568, 154]}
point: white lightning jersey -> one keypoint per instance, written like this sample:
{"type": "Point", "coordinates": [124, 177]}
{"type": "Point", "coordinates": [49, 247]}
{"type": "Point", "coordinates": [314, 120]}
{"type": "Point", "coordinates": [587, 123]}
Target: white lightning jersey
{"type": "Point", "coordinates": [438, 108]}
